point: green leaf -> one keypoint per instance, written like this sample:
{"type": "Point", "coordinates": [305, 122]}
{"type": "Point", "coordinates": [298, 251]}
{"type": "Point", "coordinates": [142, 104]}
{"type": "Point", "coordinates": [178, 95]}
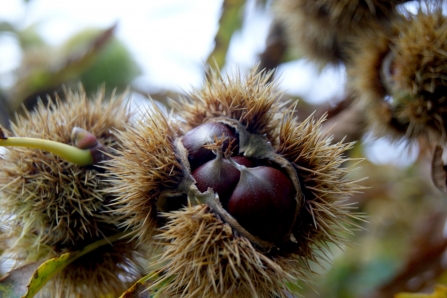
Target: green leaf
{"type": "Point", "coordinates": [30, 38]}
{"type": "Point", "coordinates": [114, 66]}
{"type": "Point", "coordinates": [230, 21]}
{"type": "Point", "coordinates": [6, 26]}
{"type": "Point", "coordinates": [47, 270]}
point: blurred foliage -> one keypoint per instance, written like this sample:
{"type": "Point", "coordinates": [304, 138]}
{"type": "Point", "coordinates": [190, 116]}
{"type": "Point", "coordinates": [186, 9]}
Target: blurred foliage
{"type": "Point", "coordinates": [92, 57]}
{"type": "Point", "coordinates": [230, 21]}
{"type": "Point", "coordinates": [440, 292]}
{"type": "Point", "coordinates": [29, 37]}
{"type": "Point", "coordinates": [113, 66]}
{"type": "Point", "coordinates": [402, 206]}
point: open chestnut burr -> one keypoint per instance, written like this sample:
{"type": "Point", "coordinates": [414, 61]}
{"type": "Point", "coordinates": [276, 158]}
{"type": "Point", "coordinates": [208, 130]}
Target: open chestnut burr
{"type": "Point", "coordinates": [235, 193]}
{"type": "Point", "coordinates": [256, 191]}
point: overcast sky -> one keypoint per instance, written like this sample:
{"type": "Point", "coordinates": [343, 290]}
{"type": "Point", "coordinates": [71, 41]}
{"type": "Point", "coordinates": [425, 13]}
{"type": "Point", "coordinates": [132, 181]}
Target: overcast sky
{"type": "Point", "coordinates": [170, 39]}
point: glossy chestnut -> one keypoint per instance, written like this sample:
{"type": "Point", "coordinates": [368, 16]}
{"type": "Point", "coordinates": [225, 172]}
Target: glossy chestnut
{"type": "Point", "coordinates": [220, 175]}
{"type": "Point", "coordinates": [263, 202]}
{"type": "Point", "coordinates": [204, 134]}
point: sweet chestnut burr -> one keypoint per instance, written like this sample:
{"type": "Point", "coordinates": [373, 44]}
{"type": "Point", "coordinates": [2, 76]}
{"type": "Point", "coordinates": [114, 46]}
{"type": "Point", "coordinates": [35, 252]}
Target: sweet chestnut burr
{"type": "Point", "coordinates": [324, 31]}
{"type": "Point", "coordinates": [50, 206]}
{"type": "Point", "coordinates": [264, 192]}
{"type": "Point", "coordinates": [400, 79]}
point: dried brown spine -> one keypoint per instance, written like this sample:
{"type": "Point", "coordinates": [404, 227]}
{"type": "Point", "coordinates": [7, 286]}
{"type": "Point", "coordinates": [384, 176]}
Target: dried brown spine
{"type": "Point", "coordinates": [144, 166]}
{"type": "Point", "coordinates": [252, 100]}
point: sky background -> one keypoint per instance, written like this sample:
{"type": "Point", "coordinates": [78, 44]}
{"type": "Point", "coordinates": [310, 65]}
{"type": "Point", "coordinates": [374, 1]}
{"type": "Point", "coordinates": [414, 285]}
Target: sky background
{"type": "Point", "coordinates": [170, 40]}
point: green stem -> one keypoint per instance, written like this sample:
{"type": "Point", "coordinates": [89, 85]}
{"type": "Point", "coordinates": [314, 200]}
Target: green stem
{"type": "Point", "coordinates": [71, 154]}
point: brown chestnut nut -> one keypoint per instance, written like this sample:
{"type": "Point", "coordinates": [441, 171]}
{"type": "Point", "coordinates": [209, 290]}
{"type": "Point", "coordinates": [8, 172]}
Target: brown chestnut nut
{"type": "Point", "coordinates": [263, 202]}
{"type": "Point", "coordinates": [220, 175]}
{"type": "Point", "coordinates": [196, 138]}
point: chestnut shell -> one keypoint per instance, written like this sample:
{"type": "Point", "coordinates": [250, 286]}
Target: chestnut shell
{"type": "Point", "coordinates": [260, 152]}
{"type": "Point", "coordinates": [196, 138]}
{"type": "Point", "coordinates": [263, 202]}
{"type": "Point", "coordinates": [220, 175]}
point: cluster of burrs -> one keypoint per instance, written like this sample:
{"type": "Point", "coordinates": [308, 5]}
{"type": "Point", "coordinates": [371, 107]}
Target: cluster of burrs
{"type": "Point", "coordinates": [227, 196]}
{"type": "Point", "coordinates": [394, 53]}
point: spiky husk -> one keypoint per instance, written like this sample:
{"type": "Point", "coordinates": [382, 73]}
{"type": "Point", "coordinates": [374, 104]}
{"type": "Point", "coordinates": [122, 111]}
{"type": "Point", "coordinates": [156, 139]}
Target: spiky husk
{"type": "Point", "coordinates": [143, 167]}
{"type": "Point", "coordinates": [365, 79]}
{"type": "Point", "coordinates": [203, 257]}
{"type": "Point", "coordinates": [251, 99]}
{"type": "Point", "coordinates": [50, 206]}
{"type": "Point", "coordinates": [413, 103]}
{"type": "Point", "coordinates": [60, 202]}
{"type": "Point", "coordinates": [326, 216]}
{"type": "Point", "coordinates": [324, 30]}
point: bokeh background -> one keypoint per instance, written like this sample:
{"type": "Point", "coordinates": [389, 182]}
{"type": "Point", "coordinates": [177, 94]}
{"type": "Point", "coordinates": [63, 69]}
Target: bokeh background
{"type": "Point", "coordinates": [159, 49]}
